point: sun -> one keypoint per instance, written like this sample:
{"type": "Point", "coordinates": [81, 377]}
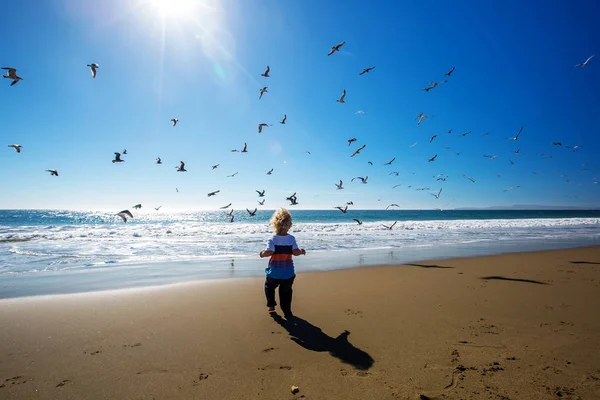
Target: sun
{"type": "Point", "coordinates": [175, 10]}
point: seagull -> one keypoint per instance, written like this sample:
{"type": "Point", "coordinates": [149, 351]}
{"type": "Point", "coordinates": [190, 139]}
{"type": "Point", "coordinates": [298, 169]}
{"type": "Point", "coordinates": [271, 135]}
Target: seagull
{"type": "Point", "coordinates": [490, 157]}
{"type": "Point", "coordinates": [293, 201]}
{"type": "Point", "coordinates": [369, 162]}
{"type": "Point", "coordinates": [578, 65]}
{"type": "Point", "coordinates": [413, 145]}
{"type": "Point", "coordinates": [117, 158]}
{"type": "Point", "coordinates": [157, 208]}
{"type": "Point", "coordinates": [232, 175]}
{"type": "Point", "coordinates": [137, 207]}
{"type": "Point", "coordinates": [517, 152]}
{"type": "Point", "coordinates": [12, 74]}
{"type": "Point", "coordinates": [260, 194]}
{"type": "Point", "coordinates": [466, 133]}
{"type": "Point", "coordinates": [390, 162]}
{"type": "Point", "coordinates": [420, 118]}
{"type": "Point", "coordinates": [360, 112]}
{"type": "Point", "coordinates": [261, 126]}
{"type": "Point", "coordinates": [263, 91]}
{"type": "Point", "coordinates": [449, 72]}
{"type": "Point", "coordinates": [158, 160]}
{"type": "Point", "coordinates": [308, 152]}
{"type": "Point", "coordinates": [213, 193]}
{"type": "Point", "coordinates": [291, 197]}
{"type": "Point", "coordinates": [181, 167]}
{"type": "Point", "coordinates": [350, 203]}
{"type": "Point", "coordinates": [394, 173]}
{"type": "Point", "coordinates": [366, 70]}
{"type": "Point", "coordinates": [357, 221]}
{"type": "Point", "coordinates": [174, 121]}
{"type": "Point", "coordinates": [232, 217]}
{"type": "Point", "coordinates": [343, 210]}
{"type": "Point", "coordinates": [252, 213]}
{"type": "Point", "coordinates": [244, 150]}
{"type": "Point", "coordinates": [485, 134]}
{"type": "Point", "coordinates": [230, 213]}
{"type": "Point", "coordinates": [124, 151]}
{"type": "Point", "coordinates": [17, 147]}
{"type": "Point", "coordinates": [282, 122]}
{"type": "Point", "coordinates": [392, 205]}
{"type": "Point", "coordinates": [425, 188]}
{"type": "Point", "coordinates": [336, 48]}
{"type": "Point", "coordinates": [215, 166]}
{"type": "Point", "coordinates": [391, 226]}
{"type": "Point", "coordinates": [573, 147]}
{"type": "Point", "coordinates": [363, 180]}
{"type": "Point", "coordinates": [339, 186]}
{"type": "Point", "coordinates": [469, 178]}
{"type": "Point", "coordinates": [266, 73]}
{"type": "Point", "coordinates": [432, 158]}
{"type": "Point", "coordinates": [437, 196]}
{"type": "Point", "coordinates": [262, 203]}
{"type": "Point", "coordinates": [511, 162]}
{"type": "Point", "coordinates": [450, 132]}
{"type": "Point", "coordinates": [350, 141]}
{"type": "Point", "coordinates": [125, 214]}
{"type": "Point", "coordinates": [556, 144]}
{"type": "Point", "coordinates": [427, 89]}
{"type": "Point", "coordinates": [342, 97]}
{"type": "Point", "coordinates": [53, 172]}
{"type": "Point", "coordinates": [395, 186]}
{"type": "Point", "coordinates": [433, 137]}
{"type": "Point", "coordinates": [269, 172]}
{"type": "Point", "coordinates": [517, 137]}
{"type": "Point", "coordinates": [93, 67]}
{"type": "Point", "coordinates": [358, 150]}
{"type": "Point", "coordinates": [225, 207]}
{"type": "Point", "coordinates": [511, 188]}
{"type": "Point", "coordinates": [177, 190]}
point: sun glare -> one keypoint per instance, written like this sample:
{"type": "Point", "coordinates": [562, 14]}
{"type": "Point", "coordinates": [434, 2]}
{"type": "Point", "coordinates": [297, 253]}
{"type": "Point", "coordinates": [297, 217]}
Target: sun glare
{"type": "Point", "coordinates": [176, 10]}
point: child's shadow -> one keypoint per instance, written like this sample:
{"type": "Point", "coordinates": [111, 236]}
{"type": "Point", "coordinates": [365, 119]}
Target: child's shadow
{"type": "Point", "coordinates": [313, 338]}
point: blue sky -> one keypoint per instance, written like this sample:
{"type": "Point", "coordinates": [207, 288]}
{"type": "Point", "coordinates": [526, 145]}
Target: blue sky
{"type": "Point", "coordinates": [201, 63]}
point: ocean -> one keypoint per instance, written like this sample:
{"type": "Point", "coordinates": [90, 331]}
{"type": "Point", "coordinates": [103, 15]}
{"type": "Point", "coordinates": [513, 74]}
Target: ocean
{"type": "Point", "coordinates": [57, 251]}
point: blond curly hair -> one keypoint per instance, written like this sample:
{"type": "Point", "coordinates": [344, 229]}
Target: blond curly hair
{"type": "Point", "coordinates": [281, 221]}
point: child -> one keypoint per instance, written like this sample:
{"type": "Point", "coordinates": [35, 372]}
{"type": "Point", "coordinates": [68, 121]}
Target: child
{"type": "Point", "coordinates": [280, 271]}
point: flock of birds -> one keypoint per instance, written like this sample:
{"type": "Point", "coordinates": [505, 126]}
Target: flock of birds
{"type": "Point", "coordinates": [293, 199]}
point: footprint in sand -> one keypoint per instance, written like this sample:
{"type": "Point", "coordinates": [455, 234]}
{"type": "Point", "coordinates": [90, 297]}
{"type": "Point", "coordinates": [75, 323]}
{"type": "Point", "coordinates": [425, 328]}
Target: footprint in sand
{"type": "Point", "coordinates": [16, 380]}
{"type": "Point", "coordinates": [201, 377]}
{"type": "Point", "coordinates": [354, 313]}
{"type": "Point", "coordinates": [268, 350]}
{"type": "Point", "coordinates": [132, 345]}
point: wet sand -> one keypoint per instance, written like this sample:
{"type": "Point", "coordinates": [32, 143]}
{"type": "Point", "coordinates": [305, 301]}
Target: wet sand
{"type": "Point", "coordinates": [515, 326]}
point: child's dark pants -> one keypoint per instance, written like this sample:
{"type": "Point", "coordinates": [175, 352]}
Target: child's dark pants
{"type": "Point", "coordinates": [285, 293]}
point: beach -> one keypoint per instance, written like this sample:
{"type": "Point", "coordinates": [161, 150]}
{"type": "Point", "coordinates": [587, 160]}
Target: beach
{"type": "Point", "coordinates": [512, 326]}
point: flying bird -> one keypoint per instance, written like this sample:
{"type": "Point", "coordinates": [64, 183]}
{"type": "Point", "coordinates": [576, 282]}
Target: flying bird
{"type": "Point", "coordinates": [12, 74]}
{"type": "Point", "coordinates": [157, 208]}
{"type": "Point", "coordinates": [174, 121]}
{"type": "Point", "coordinates": [556, 144]}
{"type": "Point", "coordinates": [469, 178]}
{"type": "Point", "coordinates": [578, 65]}
{"type": "Point", "coordinates": [93, 68]}
{"type": "Point", "coordinates": [390, 162]}
{"type": "Point", "coordinates": [391, 226]}
{"type": "Point", "coordinates": [260, 194]}
{"type": "Point", "coordinates": [262, 203]}
{"type": "Point", "coordinates": [215, 166]}
{"type": "Point", "coordinates": [421, 117]}
{"type": "Point", "coordinates": [466, 133]}
{"type": "Point", "coordinates": [117, 158]}
{"type": "Point", "coordinates": [269, 172]}
{"type": "Point", "coordinates": [213, 193]}
{"type": "Point", "coordinates": [266, 73]}
{"type": "Point", "coordinates": [252, 213]}
{"type": "Point", "coordinates": [124, 151]}
{"type": "Point", "coordinates": [358, 150]}
{"type": "Point", "coordinates": [350, 203]}
{"type": "Point", "coordinates": [517, 137]}
{"type": "Point", "coordinates": [437, 196]}
{"type": "Point", "coordinates": [245, 148]}
{"type": "Point", "coordinates": [342, 97]}
{"type": "Point", "coordinates": [125, 214]}
{"type": "Point", "coordinates": [395, 173]}
{"type": "Point", "coordinates": [432, 158]}
{"type": "Point", "coordinates": [350, 141]}
{"type": "Point", "coordinates": [261, 126]}
{"type": "Point", "coordinates": [263, 91]}
{"type": "Point", "coordinates": [158, 160]}
{"type": "Point", "coordinates": [225, 207]}
{"type": "Point", "coordinates": [392, 205]}
{"type": "Point", "coordinates": [336, 48]}
{"type": "Point", "coordinates": [366, 70]}
{"type": "Point", "coordinates": [433, 137]}
{"type": "Point", "coordinates": [282, 122]}
{"type": "Point", "coordinates": [450, 72]}
{"type": "Point", "coordinates": [360, 112]}
{"type": "Point", "coordinates": [512, 188]}
{"type": "Point", "coordinates": [369, 162]}
{"type": "Point", "coordinates": [343, 210]}
{"type": "Point", "coordinates": [181, 167]}
{"type": "Point", "coordinates": [363, 180]}
{"type": "Point", "coordinates": [17, 147]}
{"type": "Point", "coordinates": [137, 207]}
{"type": "Point", "coordinates": [490, 157]}
{"type": "Point", "coordinates": [357, 221]}
{"type": "Point", "coordinates": [53, 172]}
{"type": "Point", "coordinates": [339, 186]}
{"type": "Point", "coordinates": [413, 145]}
{"type": "Point", "coordinates": [232, 175]}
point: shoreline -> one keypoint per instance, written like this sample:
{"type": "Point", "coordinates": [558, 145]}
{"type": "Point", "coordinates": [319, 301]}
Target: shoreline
{"type": "Point", "coordinates": [520, 325]}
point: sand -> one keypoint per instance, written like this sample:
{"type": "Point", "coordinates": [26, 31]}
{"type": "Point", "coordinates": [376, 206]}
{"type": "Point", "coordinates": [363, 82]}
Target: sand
{"type": "Point", "coordinates": [516, 326]}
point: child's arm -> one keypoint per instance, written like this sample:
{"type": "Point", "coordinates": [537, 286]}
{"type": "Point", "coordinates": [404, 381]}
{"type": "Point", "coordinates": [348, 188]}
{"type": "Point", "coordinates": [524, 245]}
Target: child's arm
{"type": "Point", "coordinates": [298, 252]}
{"type": "Point", "coordinates": [266, 253]}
